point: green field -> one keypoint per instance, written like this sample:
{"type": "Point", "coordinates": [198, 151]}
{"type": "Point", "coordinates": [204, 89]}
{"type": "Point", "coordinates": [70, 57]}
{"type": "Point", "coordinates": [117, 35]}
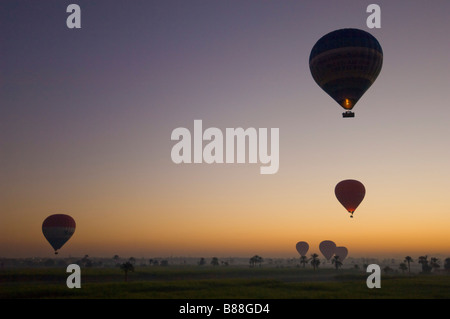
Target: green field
{"type": "Point", "coordinates": [194, 282]}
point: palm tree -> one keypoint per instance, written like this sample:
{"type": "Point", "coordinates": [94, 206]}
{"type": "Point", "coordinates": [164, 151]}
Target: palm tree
{"type": "Point", "coordinates": [155, 262]}
{"type": "Point", "coordinates": [256, 260]}
{"type": "Point", "coordinates": [126, 267]}
{"type": "Point", "coordinates": [164, 263]}
{"type": "Point", "coordinates": [403, 267]}
{"type": "Point", "coordinates": [252, 261]}
{"type": "Point", "coordinates": [447, 264]}
{"type": "Point", "coordinates": [215, 261]}
{"type": "Point", "coordinates": [315, 262]}
{"type": "Point", "coordinates": [409, 260]}
{"type": "Point", "coordinates": [337, 262]}
{"type": "Point", "coordinates": [259, 260]}
{"type": "Point", "coordinates": [304, 260]}
{"type": "Point", "coordinates": [388, 269]}
{"type": "Point", "coordinates": [434, 263]}
{"type": "Point", "coordinates": [423, 260]}
{"type": "Point", "coordinates": [86, 261]}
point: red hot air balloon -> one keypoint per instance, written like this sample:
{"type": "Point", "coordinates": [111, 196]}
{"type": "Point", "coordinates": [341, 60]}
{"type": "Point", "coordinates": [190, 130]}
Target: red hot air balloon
{"type": "Point", "coordinates": [327, 248]}
{"type": "Point", "coordinates": [345, 63]}
{"type": "Point", "coordinates": [341, 252]}
{"type": "Point", "coordinates": [302, 248]}
{"type": "Point", "coordinates": [350, 194]}
{"type": "Point", "coordinates": [58, 229]}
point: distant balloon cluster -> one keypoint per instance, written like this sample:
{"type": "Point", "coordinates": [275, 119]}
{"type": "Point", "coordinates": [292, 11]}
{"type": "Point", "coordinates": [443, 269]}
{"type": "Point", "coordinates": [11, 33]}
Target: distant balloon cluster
{"type": "Point", "coordinates": [327, 247]}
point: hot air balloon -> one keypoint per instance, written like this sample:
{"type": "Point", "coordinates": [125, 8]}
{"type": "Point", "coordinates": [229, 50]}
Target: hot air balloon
{"type": "Point", "coordinates": [341, 252]}
{"type": "Point", "coordinates": [350, 193]}
{"type": "Point", "coordinates": [302, 248]}
{"type": "Point", "coordinates": [327, 248]}
{"type": "Point", "coordinates": [58, 229]}
{"type": "Point", "coordinates": [345, 63]}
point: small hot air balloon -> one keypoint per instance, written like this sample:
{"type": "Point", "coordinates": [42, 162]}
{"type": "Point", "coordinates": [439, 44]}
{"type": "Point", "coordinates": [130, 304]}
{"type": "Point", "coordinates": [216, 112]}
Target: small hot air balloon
{"type": "Point", "coordinates": [341, 252]}
{"type": "Point", "coordinates": [345, 63]}
{"type": "Point", "coordinates": [350, 193]}
{"type": "Point", "coordinates": [302, 247]}
{"type": "Point", "coordinates": [58, 229]}
{"type": "Point", "coordinates": [327, 248]}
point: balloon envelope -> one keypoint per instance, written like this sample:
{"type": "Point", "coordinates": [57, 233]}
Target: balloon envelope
{"type": "Point", "coordinates": [302, 248]}
{"type": "Point", "coordinates": [341, 252]}
{"type": "Point", "coordinates": [327, 248]}
{"type": "Point", "coordinates": [350, 193]}
{"type": "Point", "coordinates": [345, 63]}
{"type": "Point", "coordinates": [58, 229]}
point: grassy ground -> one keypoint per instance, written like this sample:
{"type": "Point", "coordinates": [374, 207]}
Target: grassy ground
{"type": "Point", "coordinates": [194, 282]}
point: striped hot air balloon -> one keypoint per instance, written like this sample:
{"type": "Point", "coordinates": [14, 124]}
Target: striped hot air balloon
{"type": "Point", "coordinates": [345, 63]}
{"type": "Point", "coordinates": [58, 229]}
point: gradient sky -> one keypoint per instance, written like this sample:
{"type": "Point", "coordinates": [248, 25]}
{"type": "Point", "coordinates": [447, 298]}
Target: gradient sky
{"type": "Point", "coordinates": [86, 118]}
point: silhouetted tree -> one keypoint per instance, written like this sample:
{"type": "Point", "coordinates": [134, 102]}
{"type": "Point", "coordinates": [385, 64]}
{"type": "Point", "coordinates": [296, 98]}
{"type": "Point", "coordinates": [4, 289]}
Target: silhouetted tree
{"type": "Point", "coordinates": [304, 260]}
{"type": "Point", "coordinates": [132, 260]}
{"type": "Point", "coordinates": [426, 268]}
{"type": "Point", "coordinates": [403, 267]}
{"type": "Point", "coordinates": [259, 260]}
{"type": "Point", "coordinates": [201, 261]}
{"type": "Point", "coordinates": [315, 262]}
{"type": "Point", "coordinates": [215, 261]}
{"type": "Point", "coordinates": [434, 263]}
{"type": "Point", "coordinates": [252, 261]}
{"type": "Point", "coordinates": [388, 269]}
{"type": "Point", "coordinates": [256, 260]}
{"type": "Point", "coordinates": [447, 264]}
{"type": "Point", "coordinates": [409, 260]}
{"type": "Point", "coordinates": [153, 262]}
{"type": "Point", "coordinates": [86, 262]}
{"type": "Point", "coordinates": [126, 267]}
{"type": "Point", "coordinates": [336, 261]}
{"type": "Point", "coordinates": [49, 262]}
{"type": "Point", "coordinates": [164, 263]}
